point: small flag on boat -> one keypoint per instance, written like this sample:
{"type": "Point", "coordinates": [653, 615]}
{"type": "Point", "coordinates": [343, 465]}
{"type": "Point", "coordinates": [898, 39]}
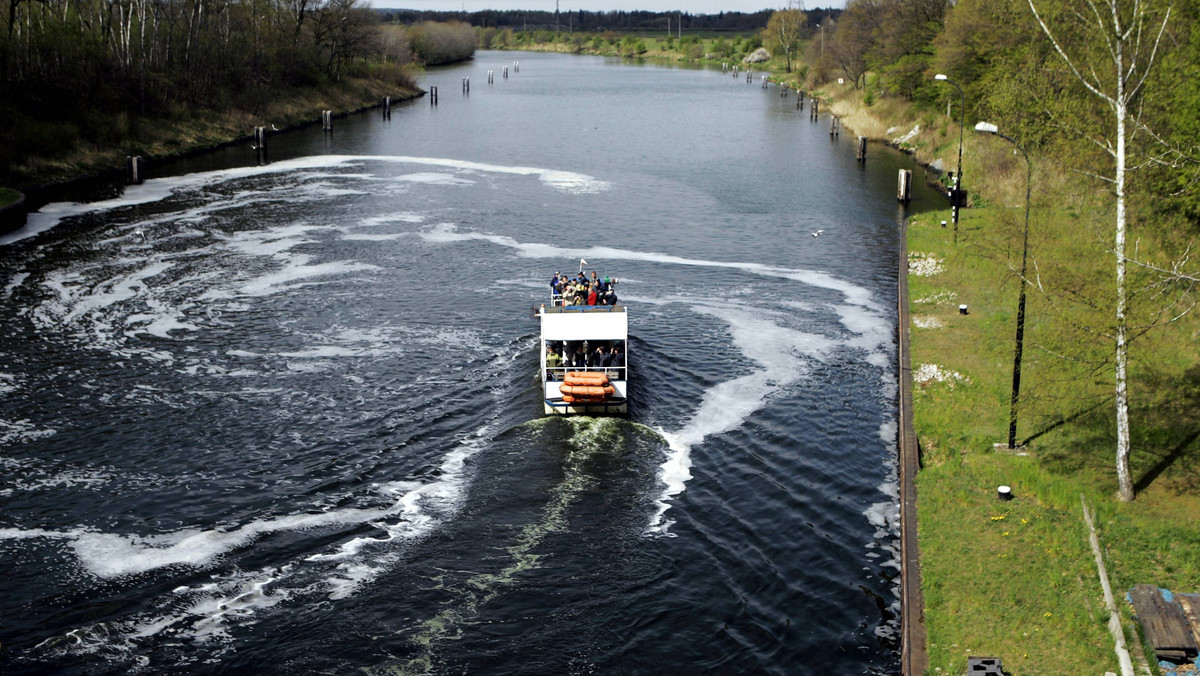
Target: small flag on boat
{"type": "Point", "coordinates": [581, 264]}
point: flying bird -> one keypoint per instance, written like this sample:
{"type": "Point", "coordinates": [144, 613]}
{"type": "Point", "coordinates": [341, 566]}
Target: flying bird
{"type": "Point", "coordinates": [817, 233]}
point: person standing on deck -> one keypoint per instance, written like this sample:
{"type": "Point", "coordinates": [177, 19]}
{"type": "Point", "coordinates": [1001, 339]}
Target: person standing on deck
{"type": "Point", "coordinates": [597, 358]}
{"type": "Point", "coordinates": [552, 362]}
{"type": "Point", "coordinates": [592, 296]}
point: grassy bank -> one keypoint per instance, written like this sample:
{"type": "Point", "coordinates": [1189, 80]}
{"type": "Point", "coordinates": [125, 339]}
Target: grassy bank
{"type": "Point", "coordinates": [70, 153]}
{"type": "Point", "coordinates": [1017, 579]}
{"type": "Point", "coordinates": [8, 196]}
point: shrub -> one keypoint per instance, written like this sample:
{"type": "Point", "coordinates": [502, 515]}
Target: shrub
{"type": "Point", "coordinates": [436, 43]}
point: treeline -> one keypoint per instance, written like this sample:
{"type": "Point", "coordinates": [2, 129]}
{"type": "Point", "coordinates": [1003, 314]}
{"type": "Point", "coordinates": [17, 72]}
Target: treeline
{"type": "Point", "coordinates": [631, 44]}
{"type": "Point", "coordinates": [1011, 73]}
{"type": "Point", "coordinates": [583, 20]}
{"type": "Point", "coordinates": [67, 53]}
{"type": "Point", "coordinates": [95, 71]}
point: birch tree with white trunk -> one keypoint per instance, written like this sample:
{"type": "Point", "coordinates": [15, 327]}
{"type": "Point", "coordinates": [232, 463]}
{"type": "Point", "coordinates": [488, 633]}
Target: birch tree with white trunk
{"type": "Point", "coordinates": [1112, 50]}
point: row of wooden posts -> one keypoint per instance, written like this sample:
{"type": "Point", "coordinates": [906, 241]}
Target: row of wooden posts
{"type": "Point", "coordinates": [133, 163]}
{"type": "Point", "coordinates": [904, 180]}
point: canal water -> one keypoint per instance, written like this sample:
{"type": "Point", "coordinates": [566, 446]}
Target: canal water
{"type": "Point", "coordinates": [285, 416]}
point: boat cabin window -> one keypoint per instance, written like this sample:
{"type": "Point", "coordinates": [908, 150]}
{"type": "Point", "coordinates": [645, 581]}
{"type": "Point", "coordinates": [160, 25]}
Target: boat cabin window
{"type": "Point", "coordinates": [583, 355]}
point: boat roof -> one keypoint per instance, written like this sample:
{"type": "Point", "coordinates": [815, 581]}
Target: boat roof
{"type": "Point", "coordinates": [585, 322]}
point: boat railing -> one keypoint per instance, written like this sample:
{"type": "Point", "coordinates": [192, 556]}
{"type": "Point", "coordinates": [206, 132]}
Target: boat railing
{"type": "Point", "coordinates": [560, 372]}
{"type": "Point", "coordinates": [583, 308]}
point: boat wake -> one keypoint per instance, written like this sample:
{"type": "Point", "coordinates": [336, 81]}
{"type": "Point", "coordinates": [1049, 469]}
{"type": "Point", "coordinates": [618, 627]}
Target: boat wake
{"type": "Point", "coordinates": [764, 335]}
{"type": "Point", "coordinates": [194, 259]}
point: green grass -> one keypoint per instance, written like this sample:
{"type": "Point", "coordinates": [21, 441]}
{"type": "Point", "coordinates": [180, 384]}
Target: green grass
{"type": "Point", "coordinates": [8, 196]}
{"type": "Point", "coordinates": [1017, 580]}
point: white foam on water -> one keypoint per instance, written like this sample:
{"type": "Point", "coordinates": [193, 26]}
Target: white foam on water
{"type": "Point", "coordinates": [85, 478]}
{"type": "Point", "coordinates": [445, 233]}
{"type": "Point", "coordinates": [295, 270]}
{"type": "Point", "coordinates": [13, 282]}
{"type": "Point", "coordinates": [351, 577]}
{"type": "Point", "coordinates": [157, 325]}
{"type": "Point", "coordinates": [781, 355]}
{"type": "Point", "coordinates": [8, 383]}
{"type": "Point", "coordinates": [209, 608]}
{"type": "Point", "coordinates": [244, 353]}
{"type": "Point", "coordinates": [416, 508]}
{"type": "Point", "coordinates": [374, 238]}
{"type": "Point", "coordinates": [324, 351]}
{"type": "Point", "coordinates": [15, 431]}
{"type": "Point", "coordinates": [432, 178]}
{"type": "Point", "coordinates": [109, 555]}
{"type": "Point", "coordinates": [110, 291]}
{"type": "Point", "coordinates": [157, 189]}
{"type": "Point", "coordinates": [402, 217]}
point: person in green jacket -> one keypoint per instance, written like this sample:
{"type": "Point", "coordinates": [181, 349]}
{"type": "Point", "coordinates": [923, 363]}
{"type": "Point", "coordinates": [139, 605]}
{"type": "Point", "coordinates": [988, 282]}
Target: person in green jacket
{"type": "Point", "coordinates": [552, 362]}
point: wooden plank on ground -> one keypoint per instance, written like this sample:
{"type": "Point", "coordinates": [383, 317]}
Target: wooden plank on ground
{"type": "Point", "coordinates": [1191, 610]}
{"type": "Point", "coordinates": [1166, 627]}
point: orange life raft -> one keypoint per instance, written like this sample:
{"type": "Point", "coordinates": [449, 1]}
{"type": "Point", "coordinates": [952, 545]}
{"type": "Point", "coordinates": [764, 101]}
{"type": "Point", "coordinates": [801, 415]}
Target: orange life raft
{"type": "Point", "coordinates": [583, 400]}
{"type": "Point", "coordinates": [586, 387]}
{"type": "Point", "coordinates": [587, 390]}
{"type": "Point", "coordinates": [586, 378]}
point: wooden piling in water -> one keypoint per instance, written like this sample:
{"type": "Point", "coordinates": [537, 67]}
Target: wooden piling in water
{"type": "Point", "coordinates": [260, 144]}
{"type": "Point", "coordinates": [466, 85]}
{"type": "Point", "coordinates": [433, 95]}
{"type": "Point", "coordinates": [861, 152]}
{"type": "Point", "coordinates": [327, 121]}
{"type": "Point", "coordinates": [903, 186]}
{"type": "Point", "coordinates": [834, 126]}
{"type": "Point", "coordinates": [506, 72]}
{"type": "Point", "coordinates": [815, 110]}
{"type": "Point", "coordinates": [133, 170]}
{"type": "Point", "coordinates": [387, 107]}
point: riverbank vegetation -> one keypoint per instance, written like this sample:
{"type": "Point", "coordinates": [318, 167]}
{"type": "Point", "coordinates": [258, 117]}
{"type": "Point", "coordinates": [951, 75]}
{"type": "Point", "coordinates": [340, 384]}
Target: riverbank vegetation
{"type": "Point", "coordinates": [86, 82]}
{"type": "Point", "coordinates": [1109, 167]}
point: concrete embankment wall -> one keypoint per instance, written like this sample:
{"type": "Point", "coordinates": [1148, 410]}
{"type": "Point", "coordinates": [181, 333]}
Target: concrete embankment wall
{"type": "Point", "coordinates": [12, 216]}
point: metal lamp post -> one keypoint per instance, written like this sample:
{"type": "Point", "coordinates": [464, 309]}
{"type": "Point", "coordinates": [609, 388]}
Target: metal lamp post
{"type": "Point", "coordinates": [957, 174]}
{"type": "Point", "coordinates": [1016, 387]}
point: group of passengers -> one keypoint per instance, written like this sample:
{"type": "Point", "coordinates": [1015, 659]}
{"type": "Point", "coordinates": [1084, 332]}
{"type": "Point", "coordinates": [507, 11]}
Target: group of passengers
{"type": "Point", "coordinates": [583, 290]}
{"type": "Point", "coordinates": [580, 355]}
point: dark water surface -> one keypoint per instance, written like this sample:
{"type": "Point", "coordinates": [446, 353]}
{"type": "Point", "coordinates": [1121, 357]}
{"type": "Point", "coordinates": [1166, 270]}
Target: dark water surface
{"type": "Point", "coordinates": [286, 417]}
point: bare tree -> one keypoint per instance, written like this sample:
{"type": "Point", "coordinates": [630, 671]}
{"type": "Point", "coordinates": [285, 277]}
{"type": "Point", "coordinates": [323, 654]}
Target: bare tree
{"type": "Point", "coordinates": [1110, 47]}
{"type": "Point", "coordinates": [783, 32]}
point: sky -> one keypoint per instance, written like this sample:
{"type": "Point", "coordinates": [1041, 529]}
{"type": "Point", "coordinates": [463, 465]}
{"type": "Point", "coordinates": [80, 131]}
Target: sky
{"type": "Point", "coordinates": [691, 6]}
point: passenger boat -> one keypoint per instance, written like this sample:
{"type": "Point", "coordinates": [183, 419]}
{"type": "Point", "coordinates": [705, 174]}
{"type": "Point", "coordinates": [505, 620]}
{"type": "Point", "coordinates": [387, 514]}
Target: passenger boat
{"type": "Point", "coordinates": [588, 373]}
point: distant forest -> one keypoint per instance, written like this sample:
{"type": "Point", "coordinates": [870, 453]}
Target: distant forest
{"type": "Point", "coordinates": [583, 20]}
